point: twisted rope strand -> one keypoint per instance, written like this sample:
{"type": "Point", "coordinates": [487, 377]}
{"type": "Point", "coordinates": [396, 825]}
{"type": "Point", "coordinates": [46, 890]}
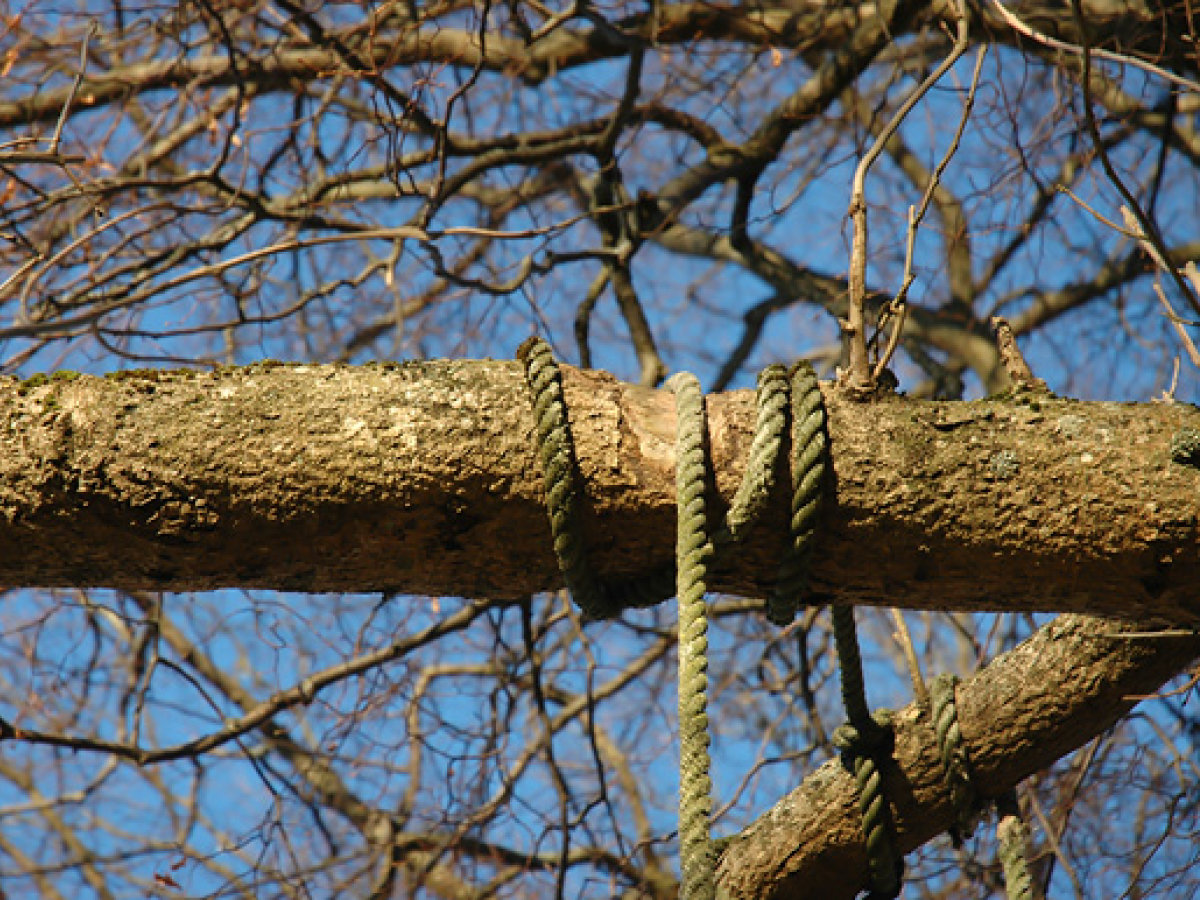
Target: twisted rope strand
{"type": "Point", "coordinates": [1011, 831]}
{"type": "Point", "coordinates": [854, 695]}
{"type": "Point", "coordinates": [955, 769]}
{"type": "Point", "coordinates": [560, 468]}
{"type": "Point", "coordinates": [693, 551]}
{"type": "Point", "coordinates": [1013, 834]}
{"type": "Point", "coordinates": [810, 472]}
{"type": "Point", "coordinates": [758, 479]}
{"type": "Point", "coordinates": [886, 869]}
{"type": "Point", "coordinates": [865, 742]}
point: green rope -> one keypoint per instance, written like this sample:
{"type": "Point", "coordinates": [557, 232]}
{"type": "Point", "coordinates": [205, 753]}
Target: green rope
{"type": "Point", "coordinates": [560, 469]}
{"type": "Point", "coordinates": [1013, 835]}
{"type": "Point", "coordinates": [694, 547]}
{"type": "Point", "coordinates": [810, 473]}
{"type": "Point", "coordinates": [854, 695]}
{"type": "Point", "coordinates": [758, 478]}
{"type": "Point", "coordinates": [859, 755]}
{"type": "Point", "coordinates": [1011, 831]}
{"type": "Point", "coordinates": [564, 490]}
{"type": "Point", "coordinates": [865, 742]}
{"type": "Point", "coordinates": [693, 552]}
{"type": "Point", "coordinates": [955, 769]}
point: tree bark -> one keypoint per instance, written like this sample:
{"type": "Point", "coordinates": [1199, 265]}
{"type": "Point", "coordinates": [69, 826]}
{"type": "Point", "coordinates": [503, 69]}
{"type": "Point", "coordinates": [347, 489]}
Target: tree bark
{"type": "Point", "coordinates": [1071, 681]}
{"type": "Point", "coordinates": [422, 478]}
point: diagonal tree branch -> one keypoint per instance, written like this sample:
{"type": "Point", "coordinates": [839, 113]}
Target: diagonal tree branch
{"type": "Point", "coordinates": [1071, 681]}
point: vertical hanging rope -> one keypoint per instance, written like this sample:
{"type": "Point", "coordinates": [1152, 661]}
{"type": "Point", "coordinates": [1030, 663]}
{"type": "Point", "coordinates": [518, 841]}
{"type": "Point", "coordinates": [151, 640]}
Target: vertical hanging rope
{"type": "Point", "coordinates": [693, 552]}
{"type": "Point", "coordinates": [1013, 835]}
{"type": "Point", "coordinates": [854, 694]}
{"type": "Point", "coordinates": [865, 743]}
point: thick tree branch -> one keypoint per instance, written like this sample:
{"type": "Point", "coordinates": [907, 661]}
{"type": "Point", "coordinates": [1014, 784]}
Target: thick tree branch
{"type": "Point", "coordinates": [422, 478]}
{"type": "Point", "coordinates": [807, 26]}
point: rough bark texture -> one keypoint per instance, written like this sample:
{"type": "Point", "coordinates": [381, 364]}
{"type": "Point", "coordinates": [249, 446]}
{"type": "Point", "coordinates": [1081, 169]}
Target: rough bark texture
{"type": "Point", "coordinates": [422, 478]}
{"type": "Point", "coordinates": [1072, 680]}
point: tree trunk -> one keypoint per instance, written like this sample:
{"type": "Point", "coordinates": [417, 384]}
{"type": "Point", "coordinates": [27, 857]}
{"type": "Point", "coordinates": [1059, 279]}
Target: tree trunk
{"type": "Point", "coordinates": [422, 478]}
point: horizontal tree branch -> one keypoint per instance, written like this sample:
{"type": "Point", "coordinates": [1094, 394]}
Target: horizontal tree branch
{"type": "Point", "coordinates": [422, 478]}
{"type": "Point", "coordinates": [808, 26]}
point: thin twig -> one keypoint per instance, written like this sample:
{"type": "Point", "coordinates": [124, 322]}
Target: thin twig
{"type": "Point", "coordinates": [1145, 223]}
{"type": "Point", "coordinates": [904, 637]}
{"type": "Point", "coordinates": [859, 379]}
{"type": "Point", "coordinates": [1186, 339]}
{"type": "Point", "coordinates": [1161, 265]}
{"type": "Point", "coordinates": [93, 26]}
{"type": "Point", "coordinates": [1135, 232]}
{"type": "Point", "coordinates": [898, 307]}
{"type": "Point", "coordinates": [1184, 688]}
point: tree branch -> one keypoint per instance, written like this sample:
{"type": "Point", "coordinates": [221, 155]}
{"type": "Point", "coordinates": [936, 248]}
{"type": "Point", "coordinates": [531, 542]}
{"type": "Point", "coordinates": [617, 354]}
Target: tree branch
{"type": "Point", "coordinates": [422, 478]}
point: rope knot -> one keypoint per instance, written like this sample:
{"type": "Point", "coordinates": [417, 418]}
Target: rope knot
{"type": "Point", "coordinates": [864, 749]}
{"type": "Point", "coordinates": [874, 738]}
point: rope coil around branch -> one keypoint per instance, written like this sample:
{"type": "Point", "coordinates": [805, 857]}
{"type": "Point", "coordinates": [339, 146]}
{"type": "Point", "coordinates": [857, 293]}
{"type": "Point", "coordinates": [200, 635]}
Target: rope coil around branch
{"type": "Point", "coordinates": [564, 493]}
{"type": "Point", "coordinates": [694, 547]}
{"type": "Point", "coordinates": [758, 478]}
{"type": "Point", "coordinates": [560, 468]}
{"type": "Point", "coordinates": [953, 752]}
{"type": "Point", "coordinates": [564, 488]}
{"type": "Point", "coordinates": [810, 475]}
{"type": "Point", "coordinates": [1011, 831]}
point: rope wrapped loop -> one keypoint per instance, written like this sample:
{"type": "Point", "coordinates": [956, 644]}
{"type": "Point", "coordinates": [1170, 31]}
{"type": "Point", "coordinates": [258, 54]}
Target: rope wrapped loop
{"type": "Point", "coordinates": [1011, 831]}
{"type": "Point", "coordinates": [866, 741]}
{"type": "Point", "coordinates": [955, 770]}
{"type": "Point", "coordinates": [779, 393]}
{"type": "Point", "coordinates": [564, 496]}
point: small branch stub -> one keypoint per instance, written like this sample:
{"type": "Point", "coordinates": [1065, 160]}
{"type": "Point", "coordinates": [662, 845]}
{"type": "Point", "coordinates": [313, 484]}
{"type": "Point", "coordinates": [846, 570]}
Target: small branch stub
{"type": "Point", "coordinates": [1012, 359]}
